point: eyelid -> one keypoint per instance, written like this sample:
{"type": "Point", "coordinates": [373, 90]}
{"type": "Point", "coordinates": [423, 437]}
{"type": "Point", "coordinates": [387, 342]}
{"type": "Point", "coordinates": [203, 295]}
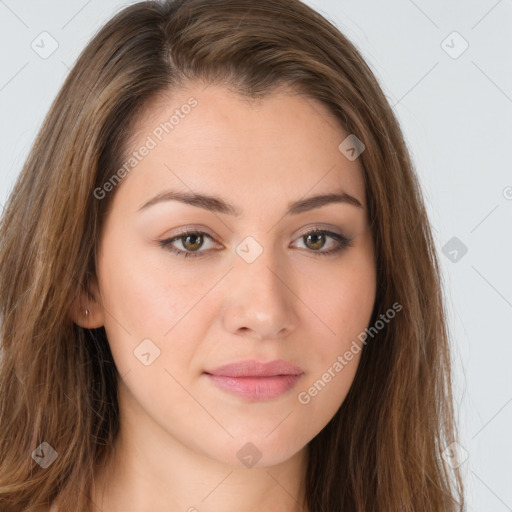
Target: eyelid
{"type": "Point", "coordinates": [305, 230]}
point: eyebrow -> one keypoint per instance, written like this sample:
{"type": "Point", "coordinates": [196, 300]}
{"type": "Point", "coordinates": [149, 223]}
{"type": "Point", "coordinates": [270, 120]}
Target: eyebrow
{"type": "Point", "coordinates": [218, 205]}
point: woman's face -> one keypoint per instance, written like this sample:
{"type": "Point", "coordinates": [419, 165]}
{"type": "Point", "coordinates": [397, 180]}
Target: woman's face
{"type": "Point", "coordinates": [255, 286]}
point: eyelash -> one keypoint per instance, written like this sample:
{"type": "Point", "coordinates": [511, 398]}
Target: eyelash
{"type": "Point", "coordinates": [342, 241]}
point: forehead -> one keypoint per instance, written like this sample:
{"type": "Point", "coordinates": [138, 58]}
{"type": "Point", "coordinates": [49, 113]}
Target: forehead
{"type": "Point", "coordinates": [209, 139]}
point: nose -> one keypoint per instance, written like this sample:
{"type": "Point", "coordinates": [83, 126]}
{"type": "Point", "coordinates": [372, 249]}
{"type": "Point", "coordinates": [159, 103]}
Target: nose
{"type": "Point", "coordinates": [260, 302]}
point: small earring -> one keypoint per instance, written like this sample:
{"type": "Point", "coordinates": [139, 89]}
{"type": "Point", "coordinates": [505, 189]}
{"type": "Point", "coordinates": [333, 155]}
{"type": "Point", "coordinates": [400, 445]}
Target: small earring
{"type": "Point", "coordinates": [86, 312]}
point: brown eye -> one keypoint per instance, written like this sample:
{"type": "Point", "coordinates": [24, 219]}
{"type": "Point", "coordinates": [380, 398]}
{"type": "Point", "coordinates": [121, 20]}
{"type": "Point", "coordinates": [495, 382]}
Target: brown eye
{"type": "Point", "coordinates": [192, 242]}
{"type": "Point", "coordinates": [316, 241]}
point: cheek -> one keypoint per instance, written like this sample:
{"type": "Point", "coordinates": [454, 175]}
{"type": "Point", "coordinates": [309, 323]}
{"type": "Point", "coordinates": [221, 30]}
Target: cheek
{"type": "Point", "coordinates": [140, 292]}
{"type": "Point", "coordinates": [334, 357]}
{"type": "Point", "coordinates": [344, 305]}
{"type": "Point", "coordinates": [135, 307]}
{"type": "Point", "coordinates": [147, 298]}
{"type": "Point", "coordinates": [340, 296]}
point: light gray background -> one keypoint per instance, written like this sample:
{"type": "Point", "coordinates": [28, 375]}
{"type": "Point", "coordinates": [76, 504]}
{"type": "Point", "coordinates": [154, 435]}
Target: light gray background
{"type": "Point", "coordinates": [457, 117]}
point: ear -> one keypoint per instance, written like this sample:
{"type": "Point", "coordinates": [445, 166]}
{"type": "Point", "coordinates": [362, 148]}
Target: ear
{"type": "Point", "coordinates": [86, 309]}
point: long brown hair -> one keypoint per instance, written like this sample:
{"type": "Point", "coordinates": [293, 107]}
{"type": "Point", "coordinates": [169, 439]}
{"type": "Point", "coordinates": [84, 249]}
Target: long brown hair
{"type": "Point", "coordinates": [58, 382]}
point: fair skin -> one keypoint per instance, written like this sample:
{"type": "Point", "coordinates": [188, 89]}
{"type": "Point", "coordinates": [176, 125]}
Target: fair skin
{"type": "Point", "coordinates": [180, 434]}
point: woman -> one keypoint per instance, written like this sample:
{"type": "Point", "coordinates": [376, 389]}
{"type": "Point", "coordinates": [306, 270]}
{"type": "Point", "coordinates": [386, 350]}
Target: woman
{"type": "Point", "coordinates": [218, 284]}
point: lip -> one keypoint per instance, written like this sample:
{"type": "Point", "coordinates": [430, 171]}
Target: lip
{"type": "Point", "coordinates": [256, 380]}
{"type": "Point", "coordinates": [253, 368]}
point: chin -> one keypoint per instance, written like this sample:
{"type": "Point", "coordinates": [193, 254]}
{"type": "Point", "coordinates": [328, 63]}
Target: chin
{"type": "Point", "coordinates": [255, 451]}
